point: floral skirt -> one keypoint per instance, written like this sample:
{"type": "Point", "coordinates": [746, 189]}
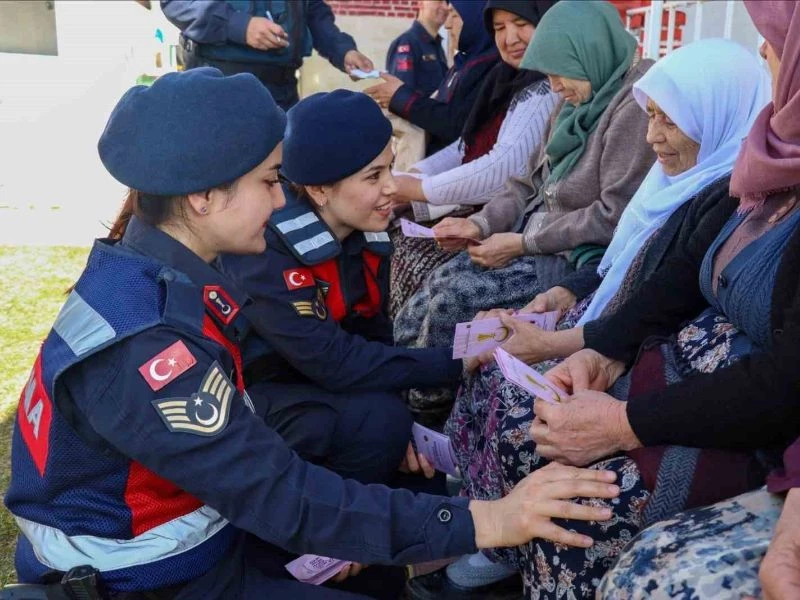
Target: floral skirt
{"type": "Point", "coordinates": [489, 428]}
{"type": "Point", "coordinates": [710, 553]}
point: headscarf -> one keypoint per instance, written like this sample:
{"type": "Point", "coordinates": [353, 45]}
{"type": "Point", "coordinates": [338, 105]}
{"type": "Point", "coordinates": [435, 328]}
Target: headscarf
{"type": "Point", "coordinates": [770, 157]}
{"type": "Point", "coordinates": [715, 106]}
{"type": "Point", "coordinates": [473, 39]}
{"type": "Point", "coordinates": [504, 82]}
{"type": "Point", "coordinates": [580, 39]}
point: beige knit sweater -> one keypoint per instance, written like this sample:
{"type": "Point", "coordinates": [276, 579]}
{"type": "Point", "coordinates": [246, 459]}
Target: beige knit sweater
{"type": "Point", "coordinates": [585, 206]}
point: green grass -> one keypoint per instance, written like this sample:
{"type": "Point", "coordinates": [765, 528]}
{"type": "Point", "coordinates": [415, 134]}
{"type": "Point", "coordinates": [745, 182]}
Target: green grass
{"type": "Point", "coordinates": [33, 281]}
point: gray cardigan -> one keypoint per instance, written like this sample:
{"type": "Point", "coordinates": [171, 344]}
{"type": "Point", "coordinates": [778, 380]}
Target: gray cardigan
{"type": "Point", "coordinates": [585, 206]}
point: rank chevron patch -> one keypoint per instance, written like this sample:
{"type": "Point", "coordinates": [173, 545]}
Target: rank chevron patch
{"type": "Point", "coordinates": [206, 411]}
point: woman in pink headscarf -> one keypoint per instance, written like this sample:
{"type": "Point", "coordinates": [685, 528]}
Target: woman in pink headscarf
{"type": "Point", "coordinates": [716, 552]}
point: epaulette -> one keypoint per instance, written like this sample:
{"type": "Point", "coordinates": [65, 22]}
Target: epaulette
{"type": "Point", "coordinates": [308, 237]}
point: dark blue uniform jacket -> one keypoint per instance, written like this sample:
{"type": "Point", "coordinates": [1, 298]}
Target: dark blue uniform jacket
{"type": "Point", "coordinates": [300, 335]}
{"type": "Point", "coordinates": [103, 472]}
{"type": "Point", "coordinates": [417, 58]}
{"type": "Point", "coordinates": [219, 28]}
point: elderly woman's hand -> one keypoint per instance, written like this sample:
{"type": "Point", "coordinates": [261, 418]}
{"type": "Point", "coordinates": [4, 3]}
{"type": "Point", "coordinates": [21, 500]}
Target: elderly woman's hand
{"type": "Point", "coordinates": [583, 429]}
{"type": "Point", "coordinates": [586, 370]}
{"type": "Point", "coordinates": [497, 250]}
{"type": "Point", "coordinates": [453, 234]}
{"type": "Point", "coordinates": [383, 92]}
{"type": "Point", "coordinates": [780, 569]}
{"type": "Point", "coordinates": [556, 298]}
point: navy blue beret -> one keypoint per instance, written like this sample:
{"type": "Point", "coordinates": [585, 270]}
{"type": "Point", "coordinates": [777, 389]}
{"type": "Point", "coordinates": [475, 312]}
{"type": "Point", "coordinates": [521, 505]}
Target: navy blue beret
{"type": "Point", "coordinates": [190, 132]}
{"type": "Point", "coordinates": [330, 136]}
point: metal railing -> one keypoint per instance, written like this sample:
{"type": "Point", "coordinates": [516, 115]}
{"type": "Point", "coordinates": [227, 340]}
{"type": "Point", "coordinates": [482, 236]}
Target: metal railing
{"type": "Point", "coordinates": [651, 42]}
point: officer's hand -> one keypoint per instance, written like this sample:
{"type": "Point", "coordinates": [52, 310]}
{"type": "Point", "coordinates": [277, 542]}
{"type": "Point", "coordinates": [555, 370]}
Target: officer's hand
{"type": "Point", "coordinates": [416, 463]}
{"type": "Point", "coordinates": [263, 34]}
{"type": "Point", "coordinates": [355, 60]}
{"type": "Point", "coordinates": [350, 570]}
{"type": "Point", "coordinates": [383, 92]}
{"type": "Point", "coordinates": [543, 495]}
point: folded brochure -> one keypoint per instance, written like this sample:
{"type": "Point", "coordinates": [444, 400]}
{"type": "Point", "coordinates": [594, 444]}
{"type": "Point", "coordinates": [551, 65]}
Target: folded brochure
{"type": "Point", "coordinates": [528, 379]}
{"type": "Point", "coordinates": [476, 337]}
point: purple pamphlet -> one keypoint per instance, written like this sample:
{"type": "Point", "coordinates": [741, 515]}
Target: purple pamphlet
{"type": "Point", "coordinates": [436, 448]}
{"type": "Point", "coordinates": [517, 372]}
{"type": "Point", "coordinates": [476, 337]}
{"type": "Point", "coordinates": [314, 569]}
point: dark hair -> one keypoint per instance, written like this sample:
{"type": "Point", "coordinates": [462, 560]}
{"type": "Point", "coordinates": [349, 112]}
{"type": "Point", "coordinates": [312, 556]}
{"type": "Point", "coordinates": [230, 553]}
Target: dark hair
{"type": "Point", "coordinates": [153, 209]}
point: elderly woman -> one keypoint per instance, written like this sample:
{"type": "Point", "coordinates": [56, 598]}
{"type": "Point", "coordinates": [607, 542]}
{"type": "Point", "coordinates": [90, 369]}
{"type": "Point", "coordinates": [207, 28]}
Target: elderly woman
{"type": "Point", "coordinates": [715, 552]}
{"type": "Point", "coordinates": [506, 125]}
{"type": "Point", "coordinates": [705, 411]}
{"type": "Point", "coordinates": [696, 128]}
{"type": "Point", "coordinates": [574, 192]}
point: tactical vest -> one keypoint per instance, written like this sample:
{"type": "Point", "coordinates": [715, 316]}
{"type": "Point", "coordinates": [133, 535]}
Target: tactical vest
{"type": "Point", "coordinates": [76, 504]}
{"type": "Point", "coordinates": [289, 14]}
{"type": "Point", "coordinates": [311, 242]}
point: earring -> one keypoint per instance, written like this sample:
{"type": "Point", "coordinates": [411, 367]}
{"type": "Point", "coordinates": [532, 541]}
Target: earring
{"type": "Point", "coordinates": [204, 210]}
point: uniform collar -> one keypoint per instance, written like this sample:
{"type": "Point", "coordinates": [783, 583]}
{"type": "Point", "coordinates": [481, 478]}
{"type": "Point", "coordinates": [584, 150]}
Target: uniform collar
{"type": "Point", "coordinates": [153, 242]}
{"type": "Point", "coordinates": [420, 31]}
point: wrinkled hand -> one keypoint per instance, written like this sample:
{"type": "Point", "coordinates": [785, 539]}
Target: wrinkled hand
{"type": "Point", "coordinates": [586, 370]}
{"type": "Point", "coordinates": [263, 34]}
{"type": "Point", "coordinates": [582, 429]}
{"type": "Point", "coordinates": [543, 495]}
{"type": "Point", "coordinates": [416, 463]}
{"type": "Point", "coordinates": [382, 93]}
{"type": "Point", "coordinates": [350, 570]}
{"type": "Point", "coordinates": [355, 60]}
{"type": "Point", "coordinates": [556, 298]}
{"type": "Point", "coordinates": [780, 569]}
{"type": "Point", "coordinates": [409, 189]}
{"type": "Point", "coordinates": [497, 251]}
{"type": "Point", "coordinates": [452, 234]}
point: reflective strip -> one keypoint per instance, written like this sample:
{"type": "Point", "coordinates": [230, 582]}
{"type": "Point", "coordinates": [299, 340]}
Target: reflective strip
{"type": "Point", "coordinates": [57, 550]}
{"type": "Point", "coordinates": [297, 223]}
{"type": "Point", "coordinates": [318, 241]}
{"type": "Point", "coordinates": [81, 326]}
{"type": "Point", "coordinates": [376, 237]}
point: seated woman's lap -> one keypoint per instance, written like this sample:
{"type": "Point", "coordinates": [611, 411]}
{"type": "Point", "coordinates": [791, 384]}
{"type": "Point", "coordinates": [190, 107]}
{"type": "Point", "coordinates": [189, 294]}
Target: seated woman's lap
{"type": "Point", "coordinates": [711, 552]}
{"type": "Point", "coordinates": [455, 292]}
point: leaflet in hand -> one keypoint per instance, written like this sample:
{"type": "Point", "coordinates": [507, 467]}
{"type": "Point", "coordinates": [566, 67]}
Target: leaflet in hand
{"type": "Point", "coordinates": [415, 230]}
{"type": "Point", "coordinates": [519, 373]}
{"type": "Point", "coordinates": [436, 448]}
{"type": "Point", "coordinates": [374, 74]}
{"type": "Point", "coordinates": [476, 337]}
{"type": "Point", "coordinates": [314, 569]}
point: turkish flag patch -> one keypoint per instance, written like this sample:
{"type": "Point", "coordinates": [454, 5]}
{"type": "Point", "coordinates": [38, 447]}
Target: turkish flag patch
{"type": "Point", "coordinates": [167, 365]}
{"type": "Point", "coordinates": [298, 278]}
{"type": "Point", "coordinates": [404, 48]}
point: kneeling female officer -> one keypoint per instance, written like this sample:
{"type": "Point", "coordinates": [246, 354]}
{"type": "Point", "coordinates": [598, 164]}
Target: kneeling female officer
{"type": "Point", "coordinates": [323, 370]}
{"type": "Point", "coordinates": [135, 449]}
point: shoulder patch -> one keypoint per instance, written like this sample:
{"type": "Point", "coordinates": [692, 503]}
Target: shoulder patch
{"type": "Point", "coordinates": [206, 411]}
{"type": "Point", "coordinates": [167, 365]}
{"type": "Point", "coordinates": [312, 308]}
{"type": "Point", "coordinates": [404, 64]}
{"type": "Point", "coordinates": [298, 278]}
{"type": "Point", "coordinates": [404, 48]}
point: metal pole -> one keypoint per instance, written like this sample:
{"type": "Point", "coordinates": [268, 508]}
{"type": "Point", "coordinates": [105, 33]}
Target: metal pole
{"type": "Point", "coordinates": [730, 6]}
{"type": "Point", "coordinates": [652, 40]}
{"type": "Point", "coordinates": [698, 21]}
{"type": "Point", "coordinates": [671, 29]}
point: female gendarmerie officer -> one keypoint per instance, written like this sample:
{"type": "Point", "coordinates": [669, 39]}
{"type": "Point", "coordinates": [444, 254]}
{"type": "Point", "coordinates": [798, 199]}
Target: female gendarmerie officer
{"type": "Point", "coordinates": [135, 449]}
{"type": "Point", "coordinates": [322, 369]}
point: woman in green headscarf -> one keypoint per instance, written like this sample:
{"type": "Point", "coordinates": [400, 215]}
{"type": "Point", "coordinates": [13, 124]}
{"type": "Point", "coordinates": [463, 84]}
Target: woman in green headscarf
{"type": "Point", "coordinates": [572, 196]}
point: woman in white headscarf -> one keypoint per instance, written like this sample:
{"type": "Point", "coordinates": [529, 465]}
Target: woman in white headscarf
{"type": "Point", "coordinates": [698, 119]}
